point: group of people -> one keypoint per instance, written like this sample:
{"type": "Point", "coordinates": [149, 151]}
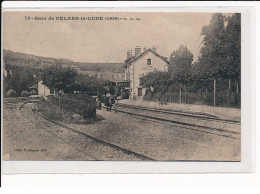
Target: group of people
{"type": "Point", "coordinates": [109, 101]}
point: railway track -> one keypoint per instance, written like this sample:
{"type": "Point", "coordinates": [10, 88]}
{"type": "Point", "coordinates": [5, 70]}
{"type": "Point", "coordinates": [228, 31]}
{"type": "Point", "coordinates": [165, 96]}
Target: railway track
{"type": "Point", "coordinates": [98, 140]}
{"type": "Point", "coordinates": [188, 126]}
{"type": "Point", "coordinates": [198, 115]}
{"type": "Point", "coordinates": [21, 113]}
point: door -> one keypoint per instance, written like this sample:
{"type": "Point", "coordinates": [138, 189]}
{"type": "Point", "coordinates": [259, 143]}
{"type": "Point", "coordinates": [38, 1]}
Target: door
{"type": "Point", "coordinates": [139, 91]}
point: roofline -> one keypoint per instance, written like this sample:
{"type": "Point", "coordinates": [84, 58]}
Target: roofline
{"type": "Point", "coordinates": [33, 83]}
{"type": "Point", "coordinates": [132, 59]}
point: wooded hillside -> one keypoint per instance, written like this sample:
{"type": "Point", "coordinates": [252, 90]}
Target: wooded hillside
{"type": "Point", "coordinates": [21, 59]}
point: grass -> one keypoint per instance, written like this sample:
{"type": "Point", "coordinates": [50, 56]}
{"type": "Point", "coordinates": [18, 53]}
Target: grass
{"type": "Point", "coordinates": [53, 112]}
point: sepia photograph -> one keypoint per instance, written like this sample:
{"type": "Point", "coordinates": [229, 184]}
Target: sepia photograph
{"type": "Point", "coordinates": [121, 86]}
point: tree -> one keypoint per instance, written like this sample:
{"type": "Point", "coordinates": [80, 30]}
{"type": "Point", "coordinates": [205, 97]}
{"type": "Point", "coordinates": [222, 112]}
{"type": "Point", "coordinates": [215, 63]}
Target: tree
{"type": "Point", "coordinates": [59, 78]}
{"type": "Point", "coordinates": [221, 52]}
{"type": "Point", "coordinates": [233, 40]}
{"type": "Point", "coordinates": [26, 78]}
{"type": "Point", "coordinates": [84, 83]}
{"type": "Point", "coordinates": [20, 78]}
{"type": "Point", "coordinates": [155, 81]}
{"type": "Point", "coordinates": [180, 65]}
{"type": "Point", "coordinates": [213, 52]}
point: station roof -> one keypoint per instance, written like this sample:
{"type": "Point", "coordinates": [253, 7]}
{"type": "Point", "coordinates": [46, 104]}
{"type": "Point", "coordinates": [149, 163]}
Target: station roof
{"type": "Point", "coordinates": [33, 85]}
{"type": "Point", "coordinates": [134, 58]}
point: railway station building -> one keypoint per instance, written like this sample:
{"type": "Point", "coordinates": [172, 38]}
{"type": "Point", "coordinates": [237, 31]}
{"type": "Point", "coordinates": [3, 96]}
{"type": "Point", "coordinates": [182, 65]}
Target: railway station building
{"type": "Point", "coordinates": [38, 89]}
{"type": "Point", "coordinates": [140, 64]}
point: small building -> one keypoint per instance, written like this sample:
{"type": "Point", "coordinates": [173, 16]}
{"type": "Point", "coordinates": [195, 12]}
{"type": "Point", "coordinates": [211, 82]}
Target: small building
{"type": "Point", "coordinates": [106, 75]}
{"type": "Point", "coordinates": [40, 90]}
{"type": "Point", "coordinates": [139, 65]}
{"type": "Point", "coordinates": [105, 71]}
{"type": "Point", "coordinates": [6, 71]}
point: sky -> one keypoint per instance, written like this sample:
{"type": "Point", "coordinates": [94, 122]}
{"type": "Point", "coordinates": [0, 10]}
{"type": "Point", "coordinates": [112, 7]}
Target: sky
{"type": "Point", "coordinates": [101, 40]}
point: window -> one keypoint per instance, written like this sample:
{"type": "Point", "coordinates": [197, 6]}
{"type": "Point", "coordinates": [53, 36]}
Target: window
{"type": "Point", "coordinates": [51, 91]}
{"type": "Point", "coordinates": [149, 62]}
{"type": "Point", "coordinates": [140, 92]}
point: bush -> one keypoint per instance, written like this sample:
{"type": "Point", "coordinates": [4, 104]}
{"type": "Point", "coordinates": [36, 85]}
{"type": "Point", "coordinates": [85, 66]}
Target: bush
{"type": "Point", "coordinates": [11, 93]}
{"type": "Point", "coordinates": [51, 111]}
{"type": "Point", "coordinates": [25, 93]}
{"type": "Point", "coordinates": [33, 92]}
{"type": "Point", "coordinates": [81, 104]}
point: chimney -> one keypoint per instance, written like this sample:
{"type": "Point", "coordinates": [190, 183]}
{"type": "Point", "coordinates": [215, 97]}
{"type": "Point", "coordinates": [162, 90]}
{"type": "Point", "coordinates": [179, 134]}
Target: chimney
{"type": "Point", "coordinates": [154, 49]}
{"type": "Point", "coordinates": [129, 54]}
{"type": "Point", "coordinates": [144, 49]}
{"type": "Point", "coordinates": [137, 50]}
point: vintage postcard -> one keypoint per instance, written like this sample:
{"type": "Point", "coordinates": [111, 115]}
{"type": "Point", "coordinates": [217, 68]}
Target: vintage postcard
{"type": "Point", "coordinates": [121, 86]}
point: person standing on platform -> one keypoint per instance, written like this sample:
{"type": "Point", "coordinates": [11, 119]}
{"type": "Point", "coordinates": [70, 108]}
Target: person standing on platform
{"type": "Point", "coordinates": [115, 105]}
{"type": "Point", "coordinates": [134, 99]}
{"type": "Point", "coordinates": [107, 101]}
{"type": "Point", "coordinates": [110, 102]}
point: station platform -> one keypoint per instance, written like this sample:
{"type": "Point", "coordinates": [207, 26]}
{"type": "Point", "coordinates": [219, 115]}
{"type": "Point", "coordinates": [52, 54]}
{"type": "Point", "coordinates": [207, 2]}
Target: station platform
{"type": "Point", "coordinates": [221, 112]}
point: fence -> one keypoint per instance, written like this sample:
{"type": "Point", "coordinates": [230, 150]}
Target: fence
{"type": "Point", "coordinates": [215, 92]}
{"type": "Point", "coordinates": [223, 98]}
{"type": "Point", "coordinates": [79, 103]}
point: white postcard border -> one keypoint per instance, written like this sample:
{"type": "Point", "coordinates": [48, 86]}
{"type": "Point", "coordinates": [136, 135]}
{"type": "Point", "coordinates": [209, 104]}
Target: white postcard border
{"type": "Point", "coordinates": [247, 163]}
